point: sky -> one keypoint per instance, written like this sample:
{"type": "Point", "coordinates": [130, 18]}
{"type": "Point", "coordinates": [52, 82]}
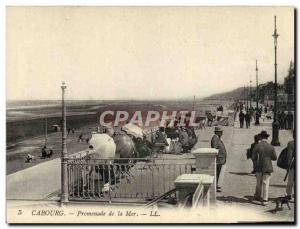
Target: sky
{"type": "Point", "coordinates": [142, 52]}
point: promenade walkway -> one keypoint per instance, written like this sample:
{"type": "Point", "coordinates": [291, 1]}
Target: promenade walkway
{"type": "Point", "coordinates": [34, 183]}
{"type": "Point", "coordinates": [239, 184]}
{"type": "Point", "coordinates": [38, 182]}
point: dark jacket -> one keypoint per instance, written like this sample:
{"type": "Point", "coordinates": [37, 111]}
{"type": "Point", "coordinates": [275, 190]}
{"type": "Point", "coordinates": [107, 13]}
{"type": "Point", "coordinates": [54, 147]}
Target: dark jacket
{"type": "Point", "coordinates": [161, 137]}
{"type": "Point", "coordinates": [250, 151]}
{"type": "Point", "coordinates": [217, 143]}
{"type": "Point", "coordinates": [291, 153]}
{"type": "Point", "coordinates": [264, 154]}
{"type": "Point", "coordinates": [241, 116]}
{"type": "Point", "coordinates": [247, 117]}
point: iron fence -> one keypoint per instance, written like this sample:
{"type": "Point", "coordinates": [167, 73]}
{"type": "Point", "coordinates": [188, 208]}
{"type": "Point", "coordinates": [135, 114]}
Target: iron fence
{"type": "Point", "coordinates": [126, 179]}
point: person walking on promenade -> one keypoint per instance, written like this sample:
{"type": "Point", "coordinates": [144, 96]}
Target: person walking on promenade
{"type": "Point", "coordinates": [248, 119]}
{"type": "Point", "coordinates": [210, 119]}
{"type": "Point", "coordinates": [242, 118]}
{"type": "Point", "coordinates": [290, 119]}
{"type": "Point", "coordinates": [291, 171]}
{"type": "Point", "coordinates": [250, 152]}
{"type": "Point", "coordinates": [251, 111]}
{"type": "Point", "coordinates": [264, 154]}
{"type": "Point", "coordinates": [282, 118]}
{"type": "Point", "coordinates": [217, 143]}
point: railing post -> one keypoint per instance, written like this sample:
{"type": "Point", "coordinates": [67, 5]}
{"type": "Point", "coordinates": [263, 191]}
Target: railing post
{"type": "Point", "coordinates": [64, 154]}
{"type": "Point", "coordinates": [186, 184]}
{"type": "Point", "coordinates": [206, 164]}
{"type": "Point", "coordinates": [207, 182]}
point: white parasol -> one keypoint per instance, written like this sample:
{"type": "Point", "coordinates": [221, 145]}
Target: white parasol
{"type": "Point", "coordinates": [133, 130]}
{"type": "Point", "coordinates": [103, 146]}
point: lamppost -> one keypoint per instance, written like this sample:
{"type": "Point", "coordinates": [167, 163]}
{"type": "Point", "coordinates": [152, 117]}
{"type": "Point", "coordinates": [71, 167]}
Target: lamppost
{"type": "Point", "coordinates": [64, 153]}
{"type": "Point", "coordinates": [275, 125]}
{"type": "Point", "coordinates": [244, 95]}
{"type": "Point", "coordinates": [194, 104]}
{"type": "Point", "coordinates": [247, 97]}
{"type": "Point", "coordinates": [250, 99]}
{"type": "Point", "coordinates": [46, 132]}
{"type": "Point", "coordinates": [257, 114]}
{"type": "Point", "coordinates": [290, 89]}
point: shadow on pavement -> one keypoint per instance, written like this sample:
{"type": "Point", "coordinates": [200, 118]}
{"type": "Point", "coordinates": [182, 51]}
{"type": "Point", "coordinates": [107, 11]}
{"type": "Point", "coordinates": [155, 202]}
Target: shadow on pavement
{"type": "Point", "coordinates": [233, 199]}
{"type": "Point", "coordinates": [242, 174]}
{"type": "Point", "coordinates": [278, 185]}
{"type": "Point", "coordinates": [266, 123]}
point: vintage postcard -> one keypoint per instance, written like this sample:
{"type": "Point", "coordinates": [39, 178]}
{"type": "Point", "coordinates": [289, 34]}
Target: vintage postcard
{"type": "Point", "coordinates": [150, 114]}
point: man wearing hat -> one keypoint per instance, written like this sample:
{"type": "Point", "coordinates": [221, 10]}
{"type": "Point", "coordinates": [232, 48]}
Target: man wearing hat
{"type": "Point", "coordinates": [217, 143]}
{"type": "Point", "coordinates": [263, 153]}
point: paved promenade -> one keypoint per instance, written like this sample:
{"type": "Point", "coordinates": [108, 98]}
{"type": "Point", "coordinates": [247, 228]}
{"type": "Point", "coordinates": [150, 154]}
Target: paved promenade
{"type": "Point", "coordinates": [40, 181]}
{"type": "Point", "coordinates": [239, 184]}
{"type": "Point", "coordinates": [34, 183]}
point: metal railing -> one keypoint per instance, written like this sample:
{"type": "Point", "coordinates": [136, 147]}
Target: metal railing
{"type": "Point", "coordinates": [126, 179]}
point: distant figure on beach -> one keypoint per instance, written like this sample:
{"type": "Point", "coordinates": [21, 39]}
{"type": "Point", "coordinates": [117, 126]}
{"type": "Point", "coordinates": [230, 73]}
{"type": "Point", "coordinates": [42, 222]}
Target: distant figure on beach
{"type": "Point", "coordinates": [73, 130]}
{"type": "Point", "coordinates": [29, 158]}
{"type": "Point", "coordinates": [69, 130]}
{"type": "Point", "coordinates": [48, 155]}
{"type": "Point", "coordinates": [80, 138]}
{"type": "Point", "coordinates": [263, 154]}
{"type": "Point", "coordinates": [44, 152]}
{"type": "Point", "coordinates": [217, 143]}
{"type": "Point", "coordinates": [242, 118]}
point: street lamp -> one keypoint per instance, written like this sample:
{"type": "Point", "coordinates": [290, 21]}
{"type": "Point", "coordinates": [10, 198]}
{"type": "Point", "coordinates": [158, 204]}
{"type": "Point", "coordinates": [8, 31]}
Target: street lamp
{"type": "Point", "coordinates": [257, 114]}
{"type": "Point", "coordinates": [250, 99]}
{"type": "Point", "coordinates": [247, 96]}
{"type": "Point", "coordinates": [64, 153]}
{"type": "Point", "coordinates": [244, 95]}
{"type": "Point", "coordinates": [275, 125]}
{"type": "Point", "coordinates": [194, 104]}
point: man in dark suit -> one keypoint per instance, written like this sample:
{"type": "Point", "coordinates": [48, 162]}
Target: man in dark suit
{"type": "Point", "coordinates": [250, 151]}
{"type": "Point", "coordinates": [248, 119]}
{"type": "Point", "coordinates": [217, 143]}
{"type": "Point", "coordinates": [241, 118]}
{"type": "Point", "coordinates": [264, 154]}
{"type": "Point", "coordinates": [291, 171]}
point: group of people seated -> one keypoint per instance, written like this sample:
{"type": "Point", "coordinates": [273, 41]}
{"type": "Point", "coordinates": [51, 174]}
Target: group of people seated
{"type": "Point", "coordinates": [46, 153]}
{"type": "Point", "coordinates": [183, 135]}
